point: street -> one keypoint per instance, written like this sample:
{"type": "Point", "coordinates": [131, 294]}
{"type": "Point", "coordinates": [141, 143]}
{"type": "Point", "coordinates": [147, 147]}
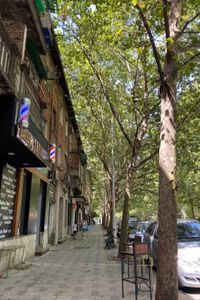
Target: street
{"type": "Point", "coordinates": [75, 270]}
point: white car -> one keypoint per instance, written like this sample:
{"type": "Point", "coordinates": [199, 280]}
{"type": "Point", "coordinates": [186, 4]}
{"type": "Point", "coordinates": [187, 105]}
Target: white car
{"type": "Point", "coordinates": [188, 232]}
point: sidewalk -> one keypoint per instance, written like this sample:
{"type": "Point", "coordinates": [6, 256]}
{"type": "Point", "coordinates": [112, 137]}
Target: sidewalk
{"type": "Point", "coordinates": [75, 270]}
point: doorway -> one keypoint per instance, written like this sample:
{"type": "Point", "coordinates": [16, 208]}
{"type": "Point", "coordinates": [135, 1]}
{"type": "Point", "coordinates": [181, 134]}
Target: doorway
{"type": "Point", "coordinates": [60, 219]}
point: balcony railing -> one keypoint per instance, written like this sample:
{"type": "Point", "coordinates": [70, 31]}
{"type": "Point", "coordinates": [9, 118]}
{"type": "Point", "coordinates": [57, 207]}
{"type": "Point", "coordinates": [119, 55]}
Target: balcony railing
{"type": "Point", "coordinates": [21, 81]}
{"type": "Point", "coordinates": [35, 110]}
{"type": "Point", "coordinates": [9, 63]}
{"type": "Point", "coordinates": [74, 164]}
{"type": "Point", "coordinates": [75, 183]}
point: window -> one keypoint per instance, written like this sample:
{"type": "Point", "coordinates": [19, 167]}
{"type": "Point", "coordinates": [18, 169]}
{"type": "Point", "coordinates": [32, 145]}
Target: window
{"type": "Point", "coordinates": [151, 228]}
{"type": "Point", "coordinates": [189, 230]}
{"type": "Point", "coordinates": [66, 128]}
{"type": "Point", "coordinates": [48, 86]}
{"type": "Point", "coordinates": [45, 130]}
{"type": "Point", "coordinates": [54, 120]}
{"type": "Point", "coordinates": [62, 116]}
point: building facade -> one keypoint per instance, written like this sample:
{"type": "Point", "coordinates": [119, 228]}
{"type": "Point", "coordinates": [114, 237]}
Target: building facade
{"type": "Point", "coordinates": [42, 162]}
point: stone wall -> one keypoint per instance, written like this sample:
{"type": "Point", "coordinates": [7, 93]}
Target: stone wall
{"type": "Point", "coordinates": [29, 241]}
{"type": "Point", "coordinates": [43, 247]}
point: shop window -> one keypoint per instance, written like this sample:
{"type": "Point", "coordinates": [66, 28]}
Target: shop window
{"type": "Point", "coordinates": [25, 203]}
{"type": "Point", "coordinates": [33, 208]}
{"type": "Point", "coordinates": [69, 211]}
{"type": "Point", "coordinates": [66, 213]}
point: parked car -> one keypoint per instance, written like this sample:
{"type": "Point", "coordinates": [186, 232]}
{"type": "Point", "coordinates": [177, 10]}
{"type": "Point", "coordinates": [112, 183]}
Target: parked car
{"type": "Point", "coordinates": [188, 233]}
{"type": "Point", "coordinates": [132, 229]}
{"type": "Point", "coordinates": [139, 230]}
{"type": "Point", "coordinates": [142, 227]}
{"type": "Point", "coordinates": [148, 234]}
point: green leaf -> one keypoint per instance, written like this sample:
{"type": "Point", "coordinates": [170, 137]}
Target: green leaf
{"type": "Point", "coordinates": [134, 2]}
{"type": "Point", "coordinates": [170, 41]}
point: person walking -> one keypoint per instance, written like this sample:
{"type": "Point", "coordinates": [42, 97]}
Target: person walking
{"type": "Point", "coordinates": [74, 230]}
{"type": "Point", "coordinates": [84, 229]}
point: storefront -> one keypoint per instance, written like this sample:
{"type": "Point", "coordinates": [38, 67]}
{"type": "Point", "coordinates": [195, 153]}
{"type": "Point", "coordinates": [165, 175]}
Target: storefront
{"type": "Point", "coordinates": [23, 192]}
{"type": "Point", "coordinates": [7, 200]}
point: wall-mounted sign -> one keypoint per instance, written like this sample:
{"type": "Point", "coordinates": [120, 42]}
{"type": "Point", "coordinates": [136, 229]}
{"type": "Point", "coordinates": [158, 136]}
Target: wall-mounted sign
{"type": "Point", "coordinates": [53, 153]}
{"type": "Point", "coordinates": [7, 200]}
{"type": "Point", "coordinates": [24, 112]}
{"type": "Point", "coordinates": [77, 199]}
{"type": "Point", "coordinates": [31, 142]}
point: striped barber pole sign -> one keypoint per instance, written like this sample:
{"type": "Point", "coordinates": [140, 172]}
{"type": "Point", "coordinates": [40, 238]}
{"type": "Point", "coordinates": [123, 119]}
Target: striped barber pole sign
{"type": "Point", "coordinates": [53, 153]}
{"type": "Point", "coordinates": [24, 112]}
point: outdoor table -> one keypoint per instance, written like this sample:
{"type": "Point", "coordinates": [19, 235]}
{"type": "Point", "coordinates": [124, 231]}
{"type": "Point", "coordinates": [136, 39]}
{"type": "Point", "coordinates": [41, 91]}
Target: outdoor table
{"type": "Point", "coordinates": [11, 251]}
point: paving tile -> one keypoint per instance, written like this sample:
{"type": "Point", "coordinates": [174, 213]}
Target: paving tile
{"type": "Point", "coordinates": [65, 273]}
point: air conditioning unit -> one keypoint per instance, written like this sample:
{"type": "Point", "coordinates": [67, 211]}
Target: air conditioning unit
{"type": "Point", "coordinates": [57, 177]}
{"type": "Point", "coordinates": [53, 175]}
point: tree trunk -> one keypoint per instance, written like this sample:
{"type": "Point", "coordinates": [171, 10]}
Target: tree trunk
{"type": "Point", "coordinates": [167, 241]}
{"type": "Point", "coordinates": [110, 229]}
{"type": "Point", "coordinates": [124, 229]}
{"type": "Point", "coordinates": [192, 208]}
{"type": "Point", "coordinates": [167, 276]}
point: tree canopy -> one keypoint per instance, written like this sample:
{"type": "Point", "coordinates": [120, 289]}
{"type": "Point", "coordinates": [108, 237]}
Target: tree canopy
{"type": "Point", "coordinates": [133, 73]}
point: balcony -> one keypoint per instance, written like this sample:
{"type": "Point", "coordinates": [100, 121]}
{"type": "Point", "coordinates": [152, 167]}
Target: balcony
{"type": "Point", "coordinates": [40, 4]}
{"type": "Point", "coordinates": [31, 88]}
{"type": "Point", "coordinates": [9, 64]}
{"type": "Point", "coordinates": [75, 185]}
{"type": "Point", "coordinates": [74, 162]}
{"type": "Point", "coordinates": [25, 12]}
{"type": "Point", "coordinates": [20, 80]}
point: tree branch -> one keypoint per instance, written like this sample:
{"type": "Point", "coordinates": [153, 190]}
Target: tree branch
{"type": "Point", "coordinates": [186, 117]}
{"type": "Point", "coordinates": [151, 38]}
{"type": "Point", "coordinates": [142, 162]}
{"type": "Point", "coordinates": [105, 92]}
{"type": "Point", "coordinates": [105, 165]}
{"type": "Point", "coordinates": [137, 133]}
{"type": "Point", "coordinates": [191, 32]}
{"type": "Point", "coordinates": [188, 60]}
{"type": "Point", "coordinates": [188, 22]}
{"type": "Point", "coordinates": [166, 20]}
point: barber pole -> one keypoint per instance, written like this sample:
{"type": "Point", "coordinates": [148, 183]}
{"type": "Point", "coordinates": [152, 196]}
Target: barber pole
{"type": "Point", "coordinates": [53, 153]}
{"type": "Point", "coordinates": [24, 112]}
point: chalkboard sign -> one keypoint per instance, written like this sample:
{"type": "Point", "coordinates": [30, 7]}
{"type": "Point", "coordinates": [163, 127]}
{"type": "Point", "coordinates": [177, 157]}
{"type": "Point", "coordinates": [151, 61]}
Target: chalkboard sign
{"type": "Point", "coordinates": [7, 199]}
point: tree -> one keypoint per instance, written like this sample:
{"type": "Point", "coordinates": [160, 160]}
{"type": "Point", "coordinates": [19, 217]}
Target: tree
{"type": "Point", "coordinates": [167, 72]}
{"type": "Point", "coordinates": [120, 74]}
{"type": "Point", "coordinates": [137, 52]}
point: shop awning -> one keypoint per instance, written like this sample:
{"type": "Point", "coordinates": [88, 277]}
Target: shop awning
{"type": "Point", "coordinates": [35, 57]}
{"type": "Point", "coordinates": [40, 4]}
{"type": "Point", "coordinates": [14, 152]}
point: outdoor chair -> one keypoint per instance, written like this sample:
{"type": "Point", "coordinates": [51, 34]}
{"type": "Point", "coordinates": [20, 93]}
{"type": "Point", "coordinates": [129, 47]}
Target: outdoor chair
{"type": "Point", "coordinates": [136, 267]}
